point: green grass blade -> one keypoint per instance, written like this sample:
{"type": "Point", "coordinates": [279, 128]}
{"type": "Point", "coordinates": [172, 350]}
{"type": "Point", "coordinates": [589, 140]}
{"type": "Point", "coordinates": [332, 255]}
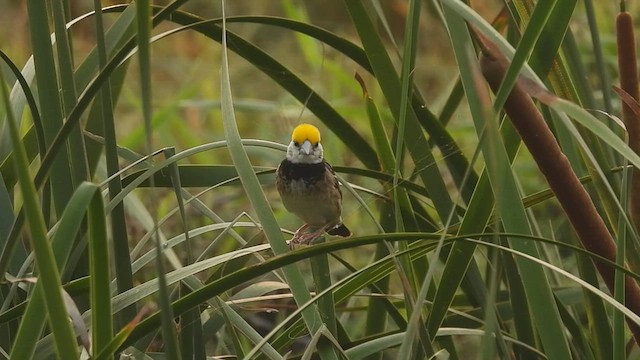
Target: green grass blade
{"type": "Point", "coordinates": [488, 344]}
{"type": "Point", "coordinates": [232, 335]}
{"type": "Point", "coordinates": [412, 135]}
{"type": "Point", "coordinates": [376, 311]}
{"type": "Point", "coordinates": [7, 219]}
{"type": "Point", "coordinates": [78, 158]}
{"type": "Point", "coordinates": [475, 220]}
{"type": "Point", "coordinates": [48, 272]}
{"type": "Point", "coordinates": [380, 137]}
{"type": "Point", "coordinates": [191, 339]}
{"type": "Point", "coordinates": [523, 322]}
{"type": "Point", "coordinates": [102, 323]}
{"type": "Point", "coordinates": [117, 341]}
{"type": "Point", "coordinates": [33, 108]}
{"type": "Point", "coordinates": [31, 325]}
{"type": "Point", "coordinates": [177, 187]}
{"type": "Point", "coordinates": [143, 18]}
{"type": "Point", "coordinates": [6, 212]}
{"type": "Point", "coordinates": [118, 224]}
{"type": "Point", "coordinates": [415, 325]}
{"type": "Point", "coordinates": [507, 196]}
{"type": "Point", "coordinates": [553, 32]}
{"type": "Point", "coordinates": [190, 331]}
{"type": "Point", "coordinates": [247, 330]}
{"type": "Point", "coordinates": [62, 243]}
{"type": "Point", "coordinates": [525, 47]}
{"type": "Point", "coordinates": [259, 202]}
{"type": "Point", "coordinates": [309, 48]}
{"type": "Point", "coordinates": [601, 330]}
{"type": "Point", "coordinates": [57, 144]}
{"type": "Point", "coordinates": [49, 99]}
{"type": "Point", "coordinates": [605, 81]}
{"type": "Point", "coordinates": [391, 87]}
{"type": "Point", "coordinates": [322, 279]}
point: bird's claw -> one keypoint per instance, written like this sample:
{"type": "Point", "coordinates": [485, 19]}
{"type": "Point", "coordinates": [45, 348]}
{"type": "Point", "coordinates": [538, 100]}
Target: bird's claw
{"type": "Point", "coordinates": [304, 238]}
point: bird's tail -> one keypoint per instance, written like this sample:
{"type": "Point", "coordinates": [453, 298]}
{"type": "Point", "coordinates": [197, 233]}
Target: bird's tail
{"type": "Point", "coordinates": [340, 230]}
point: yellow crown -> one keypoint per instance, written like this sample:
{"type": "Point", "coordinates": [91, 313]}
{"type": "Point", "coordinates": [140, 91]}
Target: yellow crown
{"type": "Point", "coordinates": [304, 132]}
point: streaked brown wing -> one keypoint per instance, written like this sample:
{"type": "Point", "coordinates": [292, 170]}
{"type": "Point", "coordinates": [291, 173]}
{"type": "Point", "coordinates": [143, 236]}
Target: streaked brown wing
{"type": "Point", "coordinates": [336, 183]}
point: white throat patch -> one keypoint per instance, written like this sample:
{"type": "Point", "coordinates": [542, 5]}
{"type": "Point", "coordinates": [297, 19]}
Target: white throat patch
{"type": "Point", "coordinates": [305, 153]}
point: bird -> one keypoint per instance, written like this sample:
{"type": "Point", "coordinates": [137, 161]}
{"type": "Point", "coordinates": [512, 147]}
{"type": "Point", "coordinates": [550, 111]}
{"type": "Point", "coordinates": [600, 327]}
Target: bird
{"type": "Point", "coordinates": [309, 188]}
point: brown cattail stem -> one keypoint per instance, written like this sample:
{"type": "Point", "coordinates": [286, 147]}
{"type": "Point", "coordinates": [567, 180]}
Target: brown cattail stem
{"type": "Point", "coordinates": [628, 70]}
{"type": "Point", "coordinates": [564, 183]}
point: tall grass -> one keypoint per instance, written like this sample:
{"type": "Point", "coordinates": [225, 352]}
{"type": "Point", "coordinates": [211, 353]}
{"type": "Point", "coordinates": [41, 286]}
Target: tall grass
{"type": "Point", "coordinates": [470, 241]}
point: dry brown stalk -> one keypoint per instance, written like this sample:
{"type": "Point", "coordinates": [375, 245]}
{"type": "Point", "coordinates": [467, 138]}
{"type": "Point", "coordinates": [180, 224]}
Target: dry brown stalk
{"type": "Point", "coordinates": [628, 71]}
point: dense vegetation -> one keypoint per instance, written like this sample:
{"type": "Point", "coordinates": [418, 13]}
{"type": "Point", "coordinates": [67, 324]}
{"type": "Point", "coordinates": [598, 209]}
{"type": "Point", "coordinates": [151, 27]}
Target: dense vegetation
{"type": "Point", "coordinates": [487, 155]}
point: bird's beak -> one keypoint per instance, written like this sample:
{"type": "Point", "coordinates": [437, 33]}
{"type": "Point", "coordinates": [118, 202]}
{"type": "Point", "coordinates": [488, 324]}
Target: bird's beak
{"type": "Point", "coordinates": [306, 147]}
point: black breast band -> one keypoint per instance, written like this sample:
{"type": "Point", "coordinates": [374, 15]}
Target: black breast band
{"type": "Point", "coordinates": [297, 171]}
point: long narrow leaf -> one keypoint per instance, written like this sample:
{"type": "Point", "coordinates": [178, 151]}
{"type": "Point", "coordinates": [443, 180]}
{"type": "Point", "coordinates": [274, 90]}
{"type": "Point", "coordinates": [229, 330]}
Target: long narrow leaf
{"type": "Point", "coordinates": [49, 275]}
{"type": "Point", "coordinates": [259, 202]}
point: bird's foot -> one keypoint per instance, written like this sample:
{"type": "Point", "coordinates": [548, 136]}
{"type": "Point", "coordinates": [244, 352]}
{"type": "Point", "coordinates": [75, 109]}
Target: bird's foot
{"type": "Point", "coordinates": [298, 236]}
{"type": "Point", "coordinates": [299, 233]}
{"type": "Point", "coordinates": [301, 237]}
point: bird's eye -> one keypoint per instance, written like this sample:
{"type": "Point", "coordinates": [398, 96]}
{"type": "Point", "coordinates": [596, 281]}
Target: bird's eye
{"type": "Point", "coordinates": [296, 143]}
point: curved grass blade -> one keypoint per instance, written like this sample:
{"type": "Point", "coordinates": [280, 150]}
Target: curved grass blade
{"type": "Point", "coordinates": [87, 96]}
{"type": "Point", "coordinates": [31, 102]}
{"type": "Point", "coordinates": [247, 330]}
{"type": "Point", "coordinates": [390, 341]}
{"type": "Point", "coordinates": [453, 157]}
{"type": "Point", "coordinates": [246, 274]}
{"type": "Point", "coordinates": [284, 77]}
{"type": "Point", "coordinates": [213, 288]}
